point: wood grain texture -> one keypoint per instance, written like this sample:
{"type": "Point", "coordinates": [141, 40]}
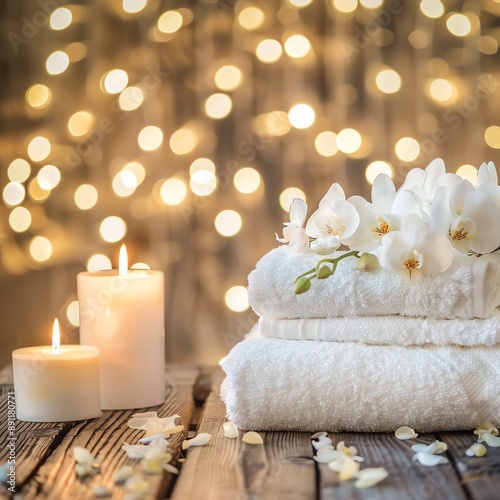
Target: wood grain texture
{"type": "Point", "coordinates": [103, 437]}
{"type": "Point", "coordinates": [228, 469]}
{"type": "Point", "coordinates": [407, 479]}
{"type": "Point", "coordinates": [480, 475]}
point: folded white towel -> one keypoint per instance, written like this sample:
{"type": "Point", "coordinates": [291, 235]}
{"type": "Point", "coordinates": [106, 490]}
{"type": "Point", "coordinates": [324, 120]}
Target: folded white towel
{"type": "Point", "coordinates": [387, 330]}
{"type": "Point", "coordinates": [469, 289]}
{"type": "Point", "coordinates": [295, 385]}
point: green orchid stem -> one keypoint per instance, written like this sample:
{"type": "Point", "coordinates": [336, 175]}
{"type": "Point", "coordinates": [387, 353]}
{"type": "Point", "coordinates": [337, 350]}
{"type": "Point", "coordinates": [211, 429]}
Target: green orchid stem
{"type": "Point", "coordinates": [333, 261]}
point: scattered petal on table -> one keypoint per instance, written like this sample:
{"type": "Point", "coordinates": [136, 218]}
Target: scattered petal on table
{"type": "Point", "coordinates": [326, 457]}
{"type": "Point", "coordinates": [170, 468]}
{"type": "Point", "coordinates": [230, 430]}
{"type": "Point", "coordinates": [181, 460]}
{"type": "Point", "coordinates": [370, 477]}
{"type": "Point", "coordinates": [85, 463]}
{"type": "Point", "coordinates": [430, 460]}
{"type": "Point", "coordinates": [135, 451]}
{"type": "Point", "coordinates": [319, 435]}
{"type": "Point", "coordinates": [101, 491]}
{"type": "Point", "coordinates": [477, 450]}
{"type": "Point", "coordinates": [252, 438]}
{"type": "Point", "coordinates": [199, 440]}
{"type": "Point", "coordinates": [405, 433]}
{"type": "Point", "coordinates": [348, 469]}
{"type": "Point", "coordinates": [123, 473]}
{"type": "Point", "coordinates": [490, 439]}
{"type": "Point", "coordinates": [322, 442]}
{"type": "Point", "coordinates": [325, 450]}
{"type": "Point", "coordinates": [150, 439]}
{"type": "Point", "coordinates": [437, 447]}
{"type": "Point", "coordinates": [486, 425]}
{"type": "Point", "coordinates": [136, 488]}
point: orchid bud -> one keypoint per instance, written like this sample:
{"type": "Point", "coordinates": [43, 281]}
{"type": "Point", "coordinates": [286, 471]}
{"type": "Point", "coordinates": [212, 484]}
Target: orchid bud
{"type": "Point", "coordinates": [302, 285]}
{"type": "Point", "coordinates": [324, 272]}
{"type": "Point", "coordinates": [367, 262]}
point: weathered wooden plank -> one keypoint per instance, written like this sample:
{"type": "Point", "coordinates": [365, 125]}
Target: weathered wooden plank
{"type": "Point", "coordinates": [103, 437]}
{"type": "Point", "coordinates": [480, 475]}
{"type": "Point", "coordinates": [228, 469]}
{"type": "Point", "coordinates": [407, 479]}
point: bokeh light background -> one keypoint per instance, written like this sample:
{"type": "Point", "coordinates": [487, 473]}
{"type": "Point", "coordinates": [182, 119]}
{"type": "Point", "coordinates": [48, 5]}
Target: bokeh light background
{"type": "Point", "coordinates": [185, 129]}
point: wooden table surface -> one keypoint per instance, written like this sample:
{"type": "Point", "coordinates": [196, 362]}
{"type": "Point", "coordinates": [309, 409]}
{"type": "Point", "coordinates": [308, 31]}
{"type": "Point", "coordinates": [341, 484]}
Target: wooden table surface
{"type": "Point", "coordinates": [228, 469]}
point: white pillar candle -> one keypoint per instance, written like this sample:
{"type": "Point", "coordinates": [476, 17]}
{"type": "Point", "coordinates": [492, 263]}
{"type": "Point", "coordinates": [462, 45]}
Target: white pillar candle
{"type": "Point", "coordinates": [56, 383]}
{"type": "Point", "coordinates": [122, 313]}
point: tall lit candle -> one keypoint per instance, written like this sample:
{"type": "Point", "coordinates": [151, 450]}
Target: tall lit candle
{"type": "Point", "coordinates": [122, 313]}
{"type": "Point", "coordinates": [57, 383]}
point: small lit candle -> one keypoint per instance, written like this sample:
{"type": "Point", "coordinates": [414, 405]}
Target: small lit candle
{"type": "Point", "coordinates": [122, 313]}
{"type": "Point", "coordinates": [57, 383]}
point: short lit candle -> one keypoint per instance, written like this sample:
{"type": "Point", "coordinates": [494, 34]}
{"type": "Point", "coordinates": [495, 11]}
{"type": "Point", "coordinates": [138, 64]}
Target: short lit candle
{"type": "Point", "coordinates": [122, 313]}
{"type": "Point", "coordinates": [57, 383]}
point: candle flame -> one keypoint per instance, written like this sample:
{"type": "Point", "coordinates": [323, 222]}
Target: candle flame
{"type": "Point", "coordinates": [56, 336]}
{"type": "Point", "coordinates": [123, 261]}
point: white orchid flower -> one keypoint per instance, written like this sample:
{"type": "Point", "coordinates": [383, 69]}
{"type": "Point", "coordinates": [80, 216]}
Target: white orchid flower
{"type": "Point", "coordinates": [382, 215]}
{"type": "Point", "coordinates": [468, 216]}
{"type": "Point", "coordinates": [415, 250]}
{"type": "Point", "coordinates": [334, 222]}
{"type": "Point", "coordinates": [487, 182]}
{"type": "Point", "coordinates": [294, 233]}
{"type": "Point", "coordinates": [423, 184]}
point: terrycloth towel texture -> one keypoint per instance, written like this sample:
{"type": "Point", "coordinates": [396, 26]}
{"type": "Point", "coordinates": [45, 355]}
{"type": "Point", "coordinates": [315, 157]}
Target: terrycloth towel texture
{"type": "Point", "coordinates": [469, 289]}
{"type": "Point", "coordinates": [387, 330]}
{"type": "Point", "coordinates": [295, 385]}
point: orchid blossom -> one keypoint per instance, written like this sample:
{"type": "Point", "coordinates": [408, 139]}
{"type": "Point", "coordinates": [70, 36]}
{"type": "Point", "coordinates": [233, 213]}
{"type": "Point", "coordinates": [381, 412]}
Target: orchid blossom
{"type": "Point", "coordinates": [415, 250]}
{"type": "Point", "coordinates": [334, 222]}
{"type": "Point", "coordinates": [469, 217]}
{"type": "Point", "coordinates": [294, 234]}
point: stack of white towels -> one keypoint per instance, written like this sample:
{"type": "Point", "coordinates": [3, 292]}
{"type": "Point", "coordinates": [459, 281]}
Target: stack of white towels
{"type": "Point", "coordinates": [364, 351]}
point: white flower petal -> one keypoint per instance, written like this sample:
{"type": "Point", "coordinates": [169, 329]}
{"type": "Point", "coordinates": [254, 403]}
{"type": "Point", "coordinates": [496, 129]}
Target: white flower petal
{"type": "Point", "coordinates": [136, 488]}
{"type": "Point", "coordinates": [487, 174]}
{"type": "Point", "coordinates": [322, 442]}
{"type": "Point", "coordinates": [252, 438]}
{"type": "Point", "coordinates": [370, 477]}
{"type": "Point", "coordinates": [319, 434]}
{"type": "Point", "coordinates": [437, 447]}
{"type": "Point", "coordinates": [430, 460]}
{"type": "Point", "coordinates": [298, 212]}
{"type": "Point", "coordinates": [477, 450]}
{"type": "Point", "coordinates": [173, 430]}
{"type": "Point", "coordinates": [405, 433]}
{"type": "Point", "coordinates": [230, 430]}
{"type": "Point", "coordinates": [329, 455]}
{"type": "Point", "coordinates": [383, 192]}
{"type": "Point", "coordinates": [170, 468]}
{"type": "Point", "coordinates": [123, 473]}
{"type": "Point", "coordinates": [101, 491]}
{"type": "Point", "coordinates": [334, 193]}
{"type": "Point", "coordinates": [486, 425]}
{"type": "Point", "coordinates": [135, 451]}
{"type": "Point", "coordinates": [83, 456]}
{"type": "Point", "coordinates": [490, 440]}
{"type": "Point", "coordinates": [325, 449]}
{"type": "Point", "coordinates": [150, 439]}
{"type": "Point", "coordinates": [85, 469]}
{"type": "Point", "coordinates": [348, 469]}
{"type": "Point", "coordinates": [199, 440]}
